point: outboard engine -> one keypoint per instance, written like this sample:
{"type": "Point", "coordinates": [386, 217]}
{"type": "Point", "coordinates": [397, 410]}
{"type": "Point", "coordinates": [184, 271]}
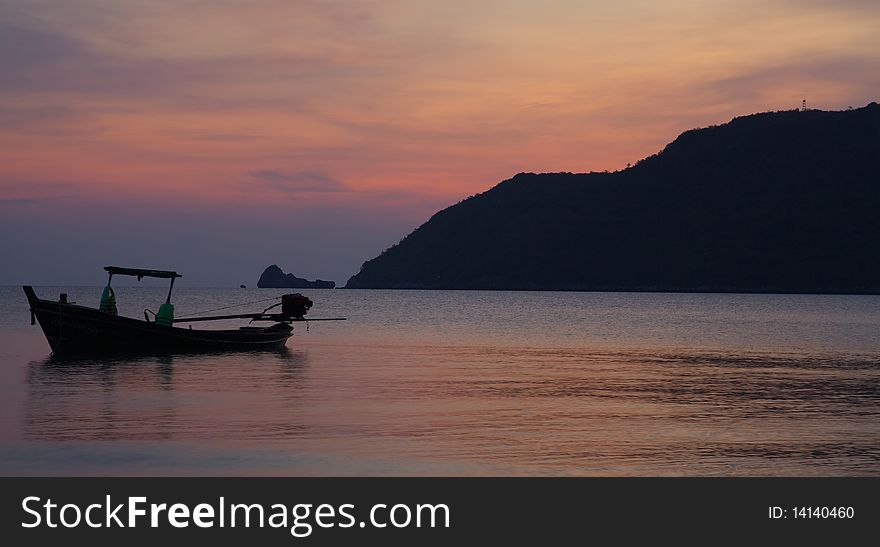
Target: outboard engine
{"type": "Point", "coordinates": [295, 305]}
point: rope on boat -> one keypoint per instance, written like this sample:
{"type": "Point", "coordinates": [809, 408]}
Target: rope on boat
{"type": "Point", "coordinates": [234, 305]}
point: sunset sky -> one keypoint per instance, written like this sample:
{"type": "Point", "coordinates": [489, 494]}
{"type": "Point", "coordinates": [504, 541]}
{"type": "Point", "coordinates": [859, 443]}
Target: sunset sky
{"type": "Point", "coordinates": [217, 137]}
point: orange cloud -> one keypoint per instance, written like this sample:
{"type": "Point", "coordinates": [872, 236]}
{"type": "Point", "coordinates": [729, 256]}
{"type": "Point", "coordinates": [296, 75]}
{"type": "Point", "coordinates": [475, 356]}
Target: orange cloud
{"type": "Point", "coordinates": [440, 100]}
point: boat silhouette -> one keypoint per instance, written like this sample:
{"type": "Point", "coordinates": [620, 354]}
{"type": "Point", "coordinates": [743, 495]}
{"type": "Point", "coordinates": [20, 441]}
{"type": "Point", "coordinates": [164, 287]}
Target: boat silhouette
{"type": "Point", "coordinates": [74, 329]}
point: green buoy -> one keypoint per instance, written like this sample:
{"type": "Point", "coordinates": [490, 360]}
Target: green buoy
{"type": "Point", "coordinates": [166, 314]}
{"type": "Point", "coordinates": [108, 301]}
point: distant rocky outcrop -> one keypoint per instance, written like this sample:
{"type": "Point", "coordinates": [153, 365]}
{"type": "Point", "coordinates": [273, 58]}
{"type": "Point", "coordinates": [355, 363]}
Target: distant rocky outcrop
{"type": "Point", "coordinates": [274, 278]}
{"type": "Point", "coordinates": [774, 202]}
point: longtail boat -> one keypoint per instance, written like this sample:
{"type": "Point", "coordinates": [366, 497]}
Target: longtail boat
{"type": "Point", "coordinates": [74, 329]}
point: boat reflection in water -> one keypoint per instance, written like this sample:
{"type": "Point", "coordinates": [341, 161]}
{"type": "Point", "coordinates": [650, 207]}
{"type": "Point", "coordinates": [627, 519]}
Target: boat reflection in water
{"type": "Point", "coordinates": [208, 395]}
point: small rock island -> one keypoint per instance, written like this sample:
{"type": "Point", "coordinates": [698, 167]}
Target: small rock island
{"type": "Point", "coordinates": [274, 278]}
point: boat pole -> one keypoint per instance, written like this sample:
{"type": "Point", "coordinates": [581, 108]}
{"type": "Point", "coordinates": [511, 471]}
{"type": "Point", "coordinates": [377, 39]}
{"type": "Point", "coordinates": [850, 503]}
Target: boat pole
{"type": "Point", "coordinates": [168, 300]}
{"type": "Point", "coordinates": [255, 317]}
{"type": "Point", "coordinates": [165, 316]}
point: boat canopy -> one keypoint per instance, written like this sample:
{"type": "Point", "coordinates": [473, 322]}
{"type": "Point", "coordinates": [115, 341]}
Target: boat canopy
{"type": "Point", "coordinates": [139, 273]}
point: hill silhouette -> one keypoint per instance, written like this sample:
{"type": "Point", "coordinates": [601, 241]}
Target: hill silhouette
{"type": "Point", "coordinates": [774, 202]}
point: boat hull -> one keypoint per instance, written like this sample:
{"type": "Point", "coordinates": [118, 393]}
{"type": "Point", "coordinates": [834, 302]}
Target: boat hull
{"type": "Point", "coordinates": [73, 329]}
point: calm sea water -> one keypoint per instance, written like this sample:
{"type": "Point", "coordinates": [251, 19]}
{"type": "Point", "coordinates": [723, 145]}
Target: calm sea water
{"type": "Point", "coordinates": [463, 383]}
